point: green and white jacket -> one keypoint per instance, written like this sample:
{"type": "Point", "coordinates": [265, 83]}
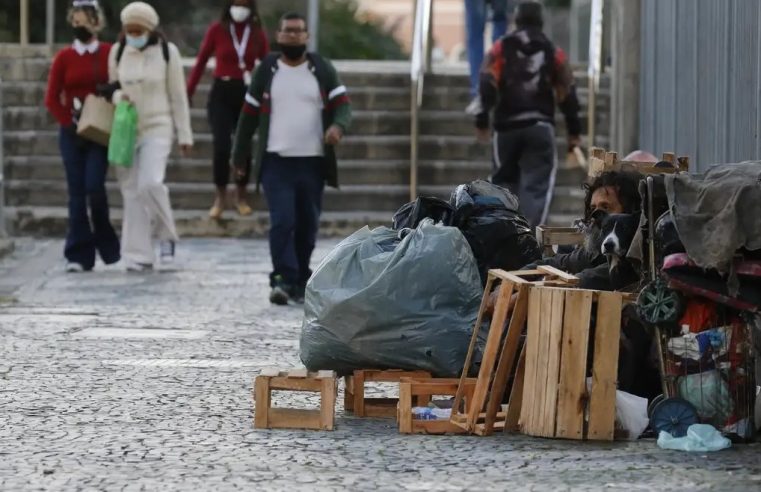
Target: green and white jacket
{"type": "Point", "coordinates": [258, 107]}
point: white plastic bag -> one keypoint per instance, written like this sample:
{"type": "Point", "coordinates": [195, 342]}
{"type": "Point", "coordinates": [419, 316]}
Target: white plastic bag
{"type": "Point", "coordinates": [631, 414]}
{"type": "Point", "coordinates": [700, 438]}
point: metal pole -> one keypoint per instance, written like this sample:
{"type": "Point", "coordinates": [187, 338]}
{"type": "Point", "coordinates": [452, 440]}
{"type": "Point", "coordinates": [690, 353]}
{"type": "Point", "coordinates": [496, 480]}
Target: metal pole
{"type": "Point", "coordinates": [313, 17]}
{"type": "Point", "coordinates": [24, 22]}
{"type": "Point", "coordinates": [50, 24]}
{"type": "Point", "coordinates": [3, 232]}
{"type": "Point", "coordinates": [595, 66]}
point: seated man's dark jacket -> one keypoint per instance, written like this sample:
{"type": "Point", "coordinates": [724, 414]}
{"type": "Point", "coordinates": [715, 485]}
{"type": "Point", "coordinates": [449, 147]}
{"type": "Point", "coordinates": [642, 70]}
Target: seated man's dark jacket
{"type": "Point", "coordinates": [591, 268]}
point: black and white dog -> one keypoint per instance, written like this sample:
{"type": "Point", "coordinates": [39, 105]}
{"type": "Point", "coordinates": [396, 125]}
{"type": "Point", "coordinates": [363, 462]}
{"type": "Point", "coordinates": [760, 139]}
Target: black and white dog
{"type": "Point", "coordinates": [617, 232]}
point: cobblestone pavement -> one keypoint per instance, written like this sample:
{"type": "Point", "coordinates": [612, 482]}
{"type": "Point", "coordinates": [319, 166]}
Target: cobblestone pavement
{"type": "Point", "coordinates": [114, 381]}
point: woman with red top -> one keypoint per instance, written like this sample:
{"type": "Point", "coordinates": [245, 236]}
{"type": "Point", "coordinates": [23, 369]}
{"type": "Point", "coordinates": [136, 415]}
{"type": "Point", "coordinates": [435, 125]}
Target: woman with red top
{"type": "Point", "coordinates": [237, 40]}
{"type": "Point", "coordinates": [75, 73]}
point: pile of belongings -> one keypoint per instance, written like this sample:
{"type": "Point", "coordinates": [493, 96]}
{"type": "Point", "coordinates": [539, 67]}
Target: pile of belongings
{"type": "Point", "coordinates": [488, 217]}
{"type": "Point", "coordinates": [708, 249]}
{"type": "Point", "coordinates": [710, 241]}
{"type": "Point", "coordinates": [407, 297]}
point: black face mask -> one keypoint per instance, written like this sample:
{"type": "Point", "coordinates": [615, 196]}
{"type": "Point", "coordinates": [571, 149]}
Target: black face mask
{"type": "Point", "coordinates": [82, 33]}
{"type": "Point", "coordinates": [293, 52]}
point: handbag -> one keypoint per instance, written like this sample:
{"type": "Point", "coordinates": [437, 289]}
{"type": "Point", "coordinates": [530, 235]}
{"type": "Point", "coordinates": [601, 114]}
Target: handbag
{"type": "Point", "coordinates": [121, 147]}
{"type": "Point", "coordinates": [96, 120]}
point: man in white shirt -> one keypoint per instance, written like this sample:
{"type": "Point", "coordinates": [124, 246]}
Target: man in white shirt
{"type": "Point", "coordinates": [301, 111]}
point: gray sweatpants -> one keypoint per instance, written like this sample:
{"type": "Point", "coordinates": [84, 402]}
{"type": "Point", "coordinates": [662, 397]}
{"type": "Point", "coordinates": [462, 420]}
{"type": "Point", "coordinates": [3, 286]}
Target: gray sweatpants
{"type": "Point", "coordinates": [525, 162]}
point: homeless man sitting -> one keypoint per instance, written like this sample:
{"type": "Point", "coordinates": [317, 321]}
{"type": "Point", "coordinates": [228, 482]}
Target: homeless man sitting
{"type": "Point", "coordinates": [610, 194]}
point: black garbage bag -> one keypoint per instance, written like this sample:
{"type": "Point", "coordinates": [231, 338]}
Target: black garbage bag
{"type": "Point", "coordinates": [425, 207]}
{"type": "Point", "coordinates": [378, 301]}
{"type": "Point", "coordinates": [497, 234]}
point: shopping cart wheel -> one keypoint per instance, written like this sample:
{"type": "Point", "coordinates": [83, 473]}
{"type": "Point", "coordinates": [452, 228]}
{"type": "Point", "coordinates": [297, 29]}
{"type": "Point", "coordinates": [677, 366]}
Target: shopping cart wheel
{"type": "Point", "coordinates": [673, 415]}
{"type": "Point", "coordinates": [654, 404]}
{"type": "Point", "coordinates": [658, 304]}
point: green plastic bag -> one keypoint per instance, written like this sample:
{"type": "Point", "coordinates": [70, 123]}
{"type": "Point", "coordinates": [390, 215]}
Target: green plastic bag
{"type": "Point", "coordinates": [121, 145]}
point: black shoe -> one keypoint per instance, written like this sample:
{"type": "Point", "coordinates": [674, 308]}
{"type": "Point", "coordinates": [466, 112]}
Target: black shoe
{"type": "Point", "coordinates": [280, 294]}
{"type": "Point", "coordinates": [298, 293]}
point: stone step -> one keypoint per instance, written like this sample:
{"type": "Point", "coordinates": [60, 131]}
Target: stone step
{"type": "Point", "coordinates": [26, 118]}
{"type": "Point", "coordinates": [45, 143]}
{"type": "Point", "coordinates": [353, 73]}
{"type": "Point", "coordinates": [53, 221]}
{"type": "Point", "coordinates": [192, 196]}
{"type": "Point", "coordinates": [377, 172]}
{"type": "Point", "coordinates": [387, 98]}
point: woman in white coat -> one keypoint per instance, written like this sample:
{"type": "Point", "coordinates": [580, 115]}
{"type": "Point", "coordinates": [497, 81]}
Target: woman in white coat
{"type": "Point", "coordinates": [147, 71]}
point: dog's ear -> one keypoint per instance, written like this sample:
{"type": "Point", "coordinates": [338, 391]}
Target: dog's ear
{"type": "Point", "coordinates": [597, 217]}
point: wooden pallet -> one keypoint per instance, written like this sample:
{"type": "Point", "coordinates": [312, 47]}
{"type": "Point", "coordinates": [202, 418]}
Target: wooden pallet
{"type": "Point", "coordinates": [268, 417]}
{"type": "Point", "coordinates": [555, 396]}
{"type": "Point", "coordinates": [422, 390]}
{"type": "Point", "coordinates": [354, 396]}
{"type": "Point", "coordinates": [502, 354]}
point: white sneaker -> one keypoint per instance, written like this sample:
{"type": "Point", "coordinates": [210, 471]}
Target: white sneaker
{"type": "Point", "coordinates": [475, 107]}
{"type": "Point", "coordinates": [72, 267]}
{"type": "Point", "coordinates": [134, 267]}
{"type": "Point", "coordinates": [167, 252]}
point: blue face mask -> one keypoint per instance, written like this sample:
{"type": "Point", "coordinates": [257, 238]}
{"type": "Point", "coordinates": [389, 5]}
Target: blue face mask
{"type": "Point", "coordinates": [137, 42]}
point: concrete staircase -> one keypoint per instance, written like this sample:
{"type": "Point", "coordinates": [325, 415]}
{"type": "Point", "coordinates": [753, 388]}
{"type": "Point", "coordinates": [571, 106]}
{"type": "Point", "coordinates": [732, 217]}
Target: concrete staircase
{"type": "Point", "coordinates": [374, 169]}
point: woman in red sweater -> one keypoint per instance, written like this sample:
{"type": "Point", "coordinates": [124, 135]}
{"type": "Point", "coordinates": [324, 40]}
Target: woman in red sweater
{"type": "Point", "coordinates": [75, 73]}
{"type": "Point", "coordinates": [237, 40]}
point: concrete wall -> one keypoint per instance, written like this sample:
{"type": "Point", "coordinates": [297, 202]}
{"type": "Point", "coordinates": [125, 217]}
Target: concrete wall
{"type": "Point", "coordinates": [701, 79]}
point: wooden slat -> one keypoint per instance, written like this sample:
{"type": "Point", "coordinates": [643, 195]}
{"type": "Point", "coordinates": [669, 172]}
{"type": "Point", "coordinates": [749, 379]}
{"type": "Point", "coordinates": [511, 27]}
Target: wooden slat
{"type": "Point", "coordinates": [325, 374]}
{"type": "Point", "coordinates": [349, 393]}
{"type": "Point", "coordinates": [262, 399]}
{"type": "Point", "coordinates": [602, 403]}
{"type": "Point", "coordinates": [555, 336]}
{"type": "Point", "coordinates": [393, 376]}
{"type": "Point", "coordinates": [270, 372]}
{"type": "Point", "coordinates": [435, 427]}
{"type": "Point", "coordinates": [404, 417]}
{"type": "Point", "coordinates": [516, 395]}
{"type": "Point", "coordinates": [542, 366]}
{"type": "Point", "coordinates": [489, 359]}
{"type": "Point", "coordinates": [530, 387]}
{"type": "Point", "coordinates": [481, 429]}
{"type": "Point", "coordinates": [359, 393]}
{"type": "Point", "coordinates": [596, 167]}
{"type": "Point", "coordinates": [328, 403]}
{"type": "Point", "coordinates": [282, 383]}
{"type": "Point", "coordinates": [473, 341]}
{"type": "Point", "coordinates": [298, 373]}
{"type": "Point", "coordinates": [573, 365]}
{"type": "Point", "coordinates": [567, 277]}
{"type": "Point", "coordinates": [507, 276]}
{"type": "Point", "coordinates": [507, 357]}
{"type": "Point", "coordinates": [292, 418]}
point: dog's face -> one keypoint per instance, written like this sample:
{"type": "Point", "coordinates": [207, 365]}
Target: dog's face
{"type": "Point", "coordinates": [618, 231]}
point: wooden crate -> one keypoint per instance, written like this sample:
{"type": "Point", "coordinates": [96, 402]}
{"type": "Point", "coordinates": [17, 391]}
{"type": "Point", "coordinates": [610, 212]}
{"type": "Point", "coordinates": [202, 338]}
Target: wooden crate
{"type": "Point", "coordinates": [602, 161]}
{"type": "Point", "coordinates": [555, 397]}
{"type": "Point", "coordinates": [503, 355]}
{"type": "Point", "coordinates": [422, 390]}
{"type": "Point", "coordinates": [549, 237]}
{"type": "Point", "coordinates": [268, 417]}
{"type": "Point", "coordinates": [354, 396]}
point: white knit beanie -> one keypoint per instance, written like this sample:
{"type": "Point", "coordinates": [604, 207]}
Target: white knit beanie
{"type": "Point", "coordinates": [141, 14]}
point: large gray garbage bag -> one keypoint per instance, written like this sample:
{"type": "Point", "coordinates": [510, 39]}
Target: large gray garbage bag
{"type": "Point", "coordinates": [380, 302]}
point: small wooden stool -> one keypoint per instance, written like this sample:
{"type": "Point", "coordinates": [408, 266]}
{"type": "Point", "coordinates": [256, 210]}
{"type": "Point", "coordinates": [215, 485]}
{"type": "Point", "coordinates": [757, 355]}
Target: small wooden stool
{"type": "Point", "coordinates": [354, 397]}
{"type": "Point", "coordinates": [267, 417]}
